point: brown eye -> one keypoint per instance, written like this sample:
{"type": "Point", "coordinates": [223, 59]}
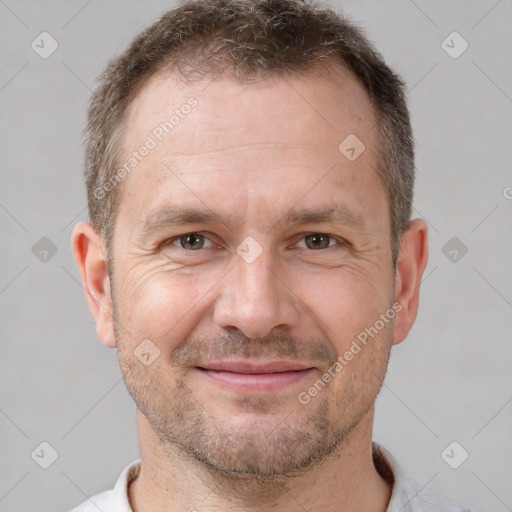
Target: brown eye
{"type": "Point", "coordinates": [318, 241]}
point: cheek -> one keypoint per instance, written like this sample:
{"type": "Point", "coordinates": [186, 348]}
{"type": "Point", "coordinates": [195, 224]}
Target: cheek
{"type": "Point", "coordinates": [162, 306]}
{"type": "Point", "coordinates": [348, 302]}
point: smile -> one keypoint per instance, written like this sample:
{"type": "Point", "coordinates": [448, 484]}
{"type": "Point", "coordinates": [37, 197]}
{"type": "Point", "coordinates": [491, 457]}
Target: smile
{"type": "Point", "coordinates": [250, 377]}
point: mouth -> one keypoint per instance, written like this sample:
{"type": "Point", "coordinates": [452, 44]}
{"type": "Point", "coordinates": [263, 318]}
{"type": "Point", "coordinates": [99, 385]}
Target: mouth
{"type": "Point", "coordinates": [242, 376]}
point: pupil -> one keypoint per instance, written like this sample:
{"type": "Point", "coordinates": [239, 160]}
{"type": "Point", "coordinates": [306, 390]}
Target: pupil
{"type": "Point", "coordinates": [192, 241]}
{"type": "Point", "coordinates": [318, 241]}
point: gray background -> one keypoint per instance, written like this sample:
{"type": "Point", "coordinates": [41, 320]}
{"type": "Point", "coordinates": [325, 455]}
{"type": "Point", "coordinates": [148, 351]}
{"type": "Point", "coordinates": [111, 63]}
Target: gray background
{"type": "Point", "coordinates": [449, 381]}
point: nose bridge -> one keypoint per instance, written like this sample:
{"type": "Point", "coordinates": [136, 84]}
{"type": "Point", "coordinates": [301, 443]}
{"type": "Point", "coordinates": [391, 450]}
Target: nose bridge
{"type": "Point", "coordinates": [256, 280]}
{"type": "Point", "coordinates": [253, 299]}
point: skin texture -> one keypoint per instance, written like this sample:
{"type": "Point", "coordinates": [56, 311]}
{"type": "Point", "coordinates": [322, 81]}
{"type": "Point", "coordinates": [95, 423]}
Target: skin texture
{"type": "Point", "coordinates": [251, 155]}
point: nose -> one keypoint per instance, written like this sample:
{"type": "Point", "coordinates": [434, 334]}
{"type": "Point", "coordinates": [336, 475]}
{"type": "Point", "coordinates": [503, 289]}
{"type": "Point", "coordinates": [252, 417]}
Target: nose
{"type": "Point", "coordinates": [255, 299]}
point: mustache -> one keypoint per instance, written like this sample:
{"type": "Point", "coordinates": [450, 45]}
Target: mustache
{"type": "Point", "coordinates": [275, 345]}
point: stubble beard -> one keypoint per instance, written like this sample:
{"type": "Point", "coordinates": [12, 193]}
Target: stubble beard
{"type": "Point", "coordinates": [272, 447]}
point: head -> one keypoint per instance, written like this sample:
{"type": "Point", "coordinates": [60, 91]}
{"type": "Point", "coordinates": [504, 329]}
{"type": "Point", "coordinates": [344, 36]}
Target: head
{"type": "Point", "coordinates": [250, 169]}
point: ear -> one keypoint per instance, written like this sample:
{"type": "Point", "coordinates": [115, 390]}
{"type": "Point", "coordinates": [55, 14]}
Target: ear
{"type": "Point", "coordinates": [411, 264]}
{"type": "Point", "coordinates": [89, 256]}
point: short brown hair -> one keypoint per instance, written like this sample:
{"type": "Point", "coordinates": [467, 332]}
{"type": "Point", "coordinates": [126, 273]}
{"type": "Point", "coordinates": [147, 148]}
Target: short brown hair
{"type": "Point", "coordinates": [253, 39]}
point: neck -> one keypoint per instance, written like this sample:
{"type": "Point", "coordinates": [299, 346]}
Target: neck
{"type": "Point", "coordinates": [170, 480]}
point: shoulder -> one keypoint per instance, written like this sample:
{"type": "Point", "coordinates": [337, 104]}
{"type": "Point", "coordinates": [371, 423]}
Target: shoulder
{"type": "Point", "coordinates": [116, 499]}
{"type": "Point", "coordinates": [407, 495]}
{"type": "Point", "coordinates": [417, 499]}
{"type": "Point", "coordinates": [95, 503]}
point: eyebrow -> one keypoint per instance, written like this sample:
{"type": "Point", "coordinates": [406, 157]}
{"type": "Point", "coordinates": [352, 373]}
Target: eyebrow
{"type": "Point", "coordinates": [176, 216]}
{"type": "Point", "coordinates": [169, 216]}
{"type": "Point", "coordinates": [334, 215]}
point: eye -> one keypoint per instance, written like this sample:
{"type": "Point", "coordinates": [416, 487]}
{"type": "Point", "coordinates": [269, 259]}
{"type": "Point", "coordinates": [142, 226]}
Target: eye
{"type": "Point", "coordinates": [191, 241]}
{"type": "Point", "coordinates": [318, 241]}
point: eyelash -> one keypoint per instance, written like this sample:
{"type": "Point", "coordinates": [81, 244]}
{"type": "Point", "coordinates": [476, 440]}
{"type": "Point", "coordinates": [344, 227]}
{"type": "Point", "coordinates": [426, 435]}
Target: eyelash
{"type": "Point", "coordinates": [339, 241]}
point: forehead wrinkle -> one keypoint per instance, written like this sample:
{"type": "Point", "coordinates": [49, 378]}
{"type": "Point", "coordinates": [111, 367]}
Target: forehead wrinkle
{"type": "Point", "coordinates": [172, 159]}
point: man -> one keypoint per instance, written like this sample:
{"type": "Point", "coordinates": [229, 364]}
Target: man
{"type": "Point", "coordinates": [249, 168]}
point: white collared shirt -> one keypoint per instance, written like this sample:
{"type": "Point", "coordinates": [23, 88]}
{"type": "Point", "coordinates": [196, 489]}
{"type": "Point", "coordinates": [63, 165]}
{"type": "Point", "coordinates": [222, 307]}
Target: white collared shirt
{"type": "Point", "coordinates": [406, 496]}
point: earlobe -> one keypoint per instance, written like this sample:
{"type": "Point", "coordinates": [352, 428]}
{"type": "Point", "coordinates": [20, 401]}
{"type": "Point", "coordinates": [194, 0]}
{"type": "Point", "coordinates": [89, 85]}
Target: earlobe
{"type": "Point", "coordinates": [411, 264]}
{"type": "Point", "coordinates": [89, 255]}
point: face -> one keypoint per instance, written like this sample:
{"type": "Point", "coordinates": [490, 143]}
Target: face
{"type": "Point", "coordinates": [249, 255]}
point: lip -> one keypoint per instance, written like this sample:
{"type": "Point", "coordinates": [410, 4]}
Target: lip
{"type": "Point", "coordinates": [243, 376]}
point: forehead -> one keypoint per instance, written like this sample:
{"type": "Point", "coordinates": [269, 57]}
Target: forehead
{"type": "Point", "coordinates": [218, 138]}
{"type": "Point", "coordinates": [298, 109]}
